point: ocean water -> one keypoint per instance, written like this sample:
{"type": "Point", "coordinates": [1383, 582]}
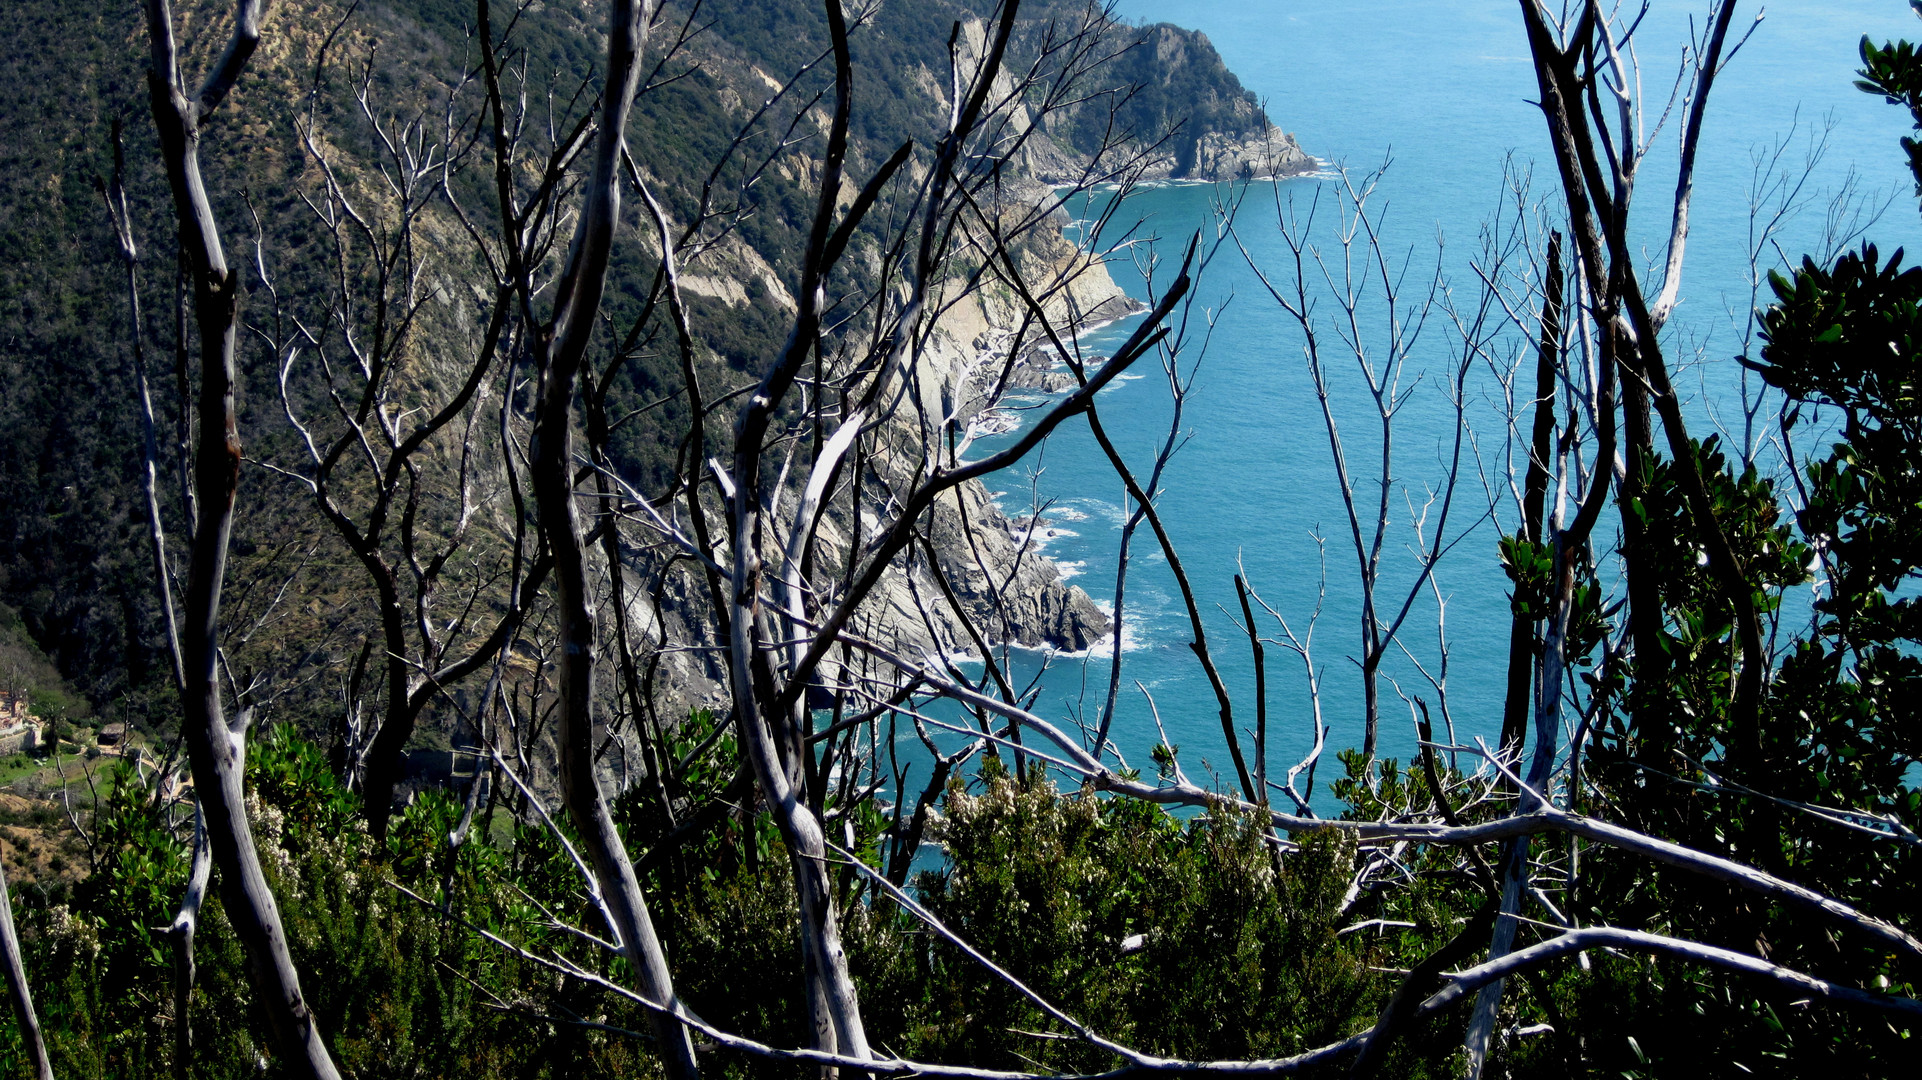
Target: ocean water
{"type": "Point", "coordinates": [1441, 92]}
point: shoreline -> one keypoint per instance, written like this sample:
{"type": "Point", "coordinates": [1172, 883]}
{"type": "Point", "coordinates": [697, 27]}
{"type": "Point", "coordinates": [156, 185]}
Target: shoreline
{"type": "Point", "coordinates": [1318, 170]}
{"type": "Point", "coordinates": [1028, 374]}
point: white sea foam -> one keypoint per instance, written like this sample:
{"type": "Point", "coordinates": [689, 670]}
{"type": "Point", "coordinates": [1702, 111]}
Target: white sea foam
{"type": "Point", "coordinates": [991, 423]}
{"type": "Point", "coordinates": [1131, 640]}
{"type": "Point", "coordinates": [1100, 509]}
{"type": "Point", "coordinates": [1038, 538]}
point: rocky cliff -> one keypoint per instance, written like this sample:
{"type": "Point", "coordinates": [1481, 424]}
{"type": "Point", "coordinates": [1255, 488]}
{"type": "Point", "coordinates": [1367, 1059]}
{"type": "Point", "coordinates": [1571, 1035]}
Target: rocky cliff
{"type": "Point", "coordinates": [84, 590]}
{"type": "Point", "coordinates": [1173, 93]}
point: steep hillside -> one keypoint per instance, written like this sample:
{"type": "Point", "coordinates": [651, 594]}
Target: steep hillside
{"type": "Point", "coordinates": [73, 556]}
{"type": "Point", "coordinates": [1174, 90]}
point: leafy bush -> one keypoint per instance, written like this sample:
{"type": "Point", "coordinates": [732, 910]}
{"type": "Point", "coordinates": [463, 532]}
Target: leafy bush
{"type": "Point", "coordinates": [1191, 938]}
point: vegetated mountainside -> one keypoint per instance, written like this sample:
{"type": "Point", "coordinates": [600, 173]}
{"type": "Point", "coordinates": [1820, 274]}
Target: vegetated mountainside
{"type": "Point", "coordinates": [74, 559]}
{"type": "Point", "coordinates": [1209, 127]}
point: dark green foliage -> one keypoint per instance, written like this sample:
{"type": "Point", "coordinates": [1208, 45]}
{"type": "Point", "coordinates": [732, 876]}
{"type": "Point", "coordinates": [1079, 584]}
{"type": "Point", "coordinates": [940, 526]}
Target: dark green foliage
{"type": "Point", "coordinates": [1658, 764]}
{"type": "Point", "coordinates": [1847, 337]}
{"type": "Point", "coordinates": [1839, 722]}
{"type": "Point", "coordinates": [1172, 83]}
{"type": "Point", "coordinates": [66, 485]}
{"type": "Point", "coordinates": [1530, 568]}
{"type": "Point", "coordinates": [1683, 706]}
{"type": "Point", "coordinates": [1895, 72]}
{"type": "Point", "coordinates": [400, 990]}
{"type": "Point", "coordinates": [24, 668]}
{"type": "Point", "coordinates": [1233, 954]}
{"type": "Point", "coordinates": [1238, 953]}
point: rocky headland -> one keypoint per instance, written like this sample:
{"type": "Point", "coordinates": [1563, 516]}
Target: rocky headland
{"type": "Point", "coordinates": [1191, 120]}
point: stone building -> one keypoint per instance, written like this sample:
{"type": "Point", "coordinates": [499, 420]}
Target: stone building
{"type": "Point", "coordinates": [20, 730]}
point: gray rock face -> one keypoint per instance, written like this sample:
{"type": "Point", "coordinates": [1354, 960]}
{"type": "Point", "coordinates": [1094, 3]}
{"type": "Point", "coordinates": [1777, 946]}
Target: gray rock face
{"type": "Point", "coordinates": [1223, 157]}
{"type": "Point", "coordinates": [1216, 157]}
{"type": "Point", "coordinates": [1202, 124]}
{"type": "Point", "coordinates": [1012, 592]}
{"type": "Point", "coordinates": [999, 581]}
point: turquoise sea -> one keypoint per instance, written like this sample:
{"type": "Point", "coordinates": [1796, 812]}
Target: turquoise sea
{"type": "Point", "coordinates": [1441, 91]}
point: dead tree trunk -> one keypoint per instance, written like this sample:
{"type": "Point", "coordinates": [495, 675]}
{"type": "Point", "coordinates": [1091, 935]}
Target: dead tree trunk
{"type": "Point", "coordinates": [215, 749]}
{"type": "Point", "coordinates": [17, 988]}
{"type": "Point", "coordinates": [181, 930]}
{"type": "Point", "coordinates": [1522, 645]}
{"type": "Point", "coordinates": [1597, 166]}
{"type": "Point", "coordinates": [186, 921]}
{"type": "Point", "coordinates": [116, 196]}
{"type": "Point", "coordinates": [560, 351]}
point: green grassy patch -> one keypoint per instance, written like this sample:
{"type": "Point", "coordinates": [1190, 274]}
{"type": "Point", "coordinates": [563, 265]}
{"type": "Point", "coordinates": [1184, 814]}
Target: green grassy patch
{"type": "Point", "coordinates": [15, 766]}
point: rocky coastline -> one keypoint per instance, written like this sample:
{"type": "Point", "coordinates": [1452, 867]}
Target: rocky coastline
{"type": "Point", "coordinates": [1013, 592]}
{"type": "Point", "coordinates": [1219, 157]}
{"type": "Point", "coordinates": [994, 570]}
{"type": "Point", "coordinates": [996, 586]}
{"type": "Point", "coordinates": [1214, 157]}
